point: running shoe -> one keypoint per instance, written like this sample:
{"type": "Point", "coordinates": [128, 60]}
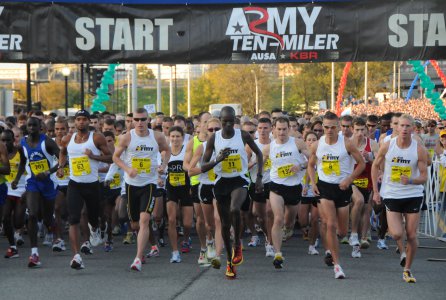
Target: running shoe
{"type": "Point", "coordinates": [216, 262]}
{"type": "Point", "coordinates": [95, 236]}
{"type": "Point", "coordinates": [382, 245]}
{"type": "Point", "coordinates": [278, 260]}
{"type": "Point", "coordinates": [180, 230]}
{"type": "Point", "coordinates": [12, 253]}
{"type": "Point", "coordinates": [353, 240]}
{"type": "Point", "coordinates": [339, 273]}
{"type": "Point", "coordinates": [356, 252]}
{"type": "Point", "coordinates": [403, 259]}
{"type": "Point", "coordinates": [312, 250]}
{"type": "Point", "coordinates": [34, 261]}
{"type": "Point", "coordinates": [211, 252]}
{"type": "Point", "coordinates": [77, 263]}
{"type": "Point", "coordinates": [287, 234]}
{"type": "Point", "coordinates": [176, 258]}
{"type": "Point", "coordinates": [59, 245]}
{"type": "Point", "coordinates": [269, 249]}
{"type": "Point", "coordinates": [116, 230]}
{"type": "Point", "coordinates": [86, 248]}
{"type": "Point", "coordinates": [128, 239]}
{"type": "Point", "coordinates": [136, 265]}
{"type": "Point", "coordinates": [328, 259]}
{"type": "Point", "coordinates": [162, 242]}
{"type": "Point", "coordinates": [108, 246]}
{"type": "Point", "coordinates": [365, 244]}
{"type": "Point", "coordinates": [237, 255]}
{"type": "Point", "coordinates": [344, 240]}
{"type": "Point", "coordinates": [408, 277]}
{"type": "Point", "coordinates": [317, 243]}
{"type": "Point", "coordinates": [185, 247]}
{"type": "Point", "coordinates": [154, 252]}
{"type": "Point", "coordinates": [18, 238]}
{"type": "Point", "coordinates": [254, 242]}
{"type": "Point", "coordinates": [230, 271]}
{"type": "Point", "coordinates": [203, 259]}
{"type": "Point", "coordinates": [48, 240]}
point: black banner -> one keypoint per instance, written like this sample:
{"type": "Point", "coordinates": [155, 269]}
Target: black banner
{"type": "Point", "coordinates": [367, 30]}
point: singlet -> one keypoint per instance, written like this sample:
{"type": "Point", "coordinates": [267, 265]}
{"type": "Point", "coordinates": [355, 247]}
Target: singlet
{"type": "Point", "coordinates": [334, 163]}
{"type": "Point", "coordinates": [236, 164]}
{"type": "Point", "coordinates": [266, 165]}
{"type": "Point", "coordinates": [364, 180]}
{"type": "Point", "coordinates": [176, 176]}
{"type": "Point", "coordinates": [430, 141]}
{"type": "Point", "coordinates": [38, 160]}
{"type": "Point", "coordinates": [114, 175]}
{"type": "Point", "coordinates": [194, 180]}
{"type": "Point", "coordinates": [14, 165]}
{"type": "Point", "coordinates": [209, 176]}
{"type": "Point", "coordinates": [398, 162]}
{"type": "Point", "coordinates": [283, 157]}
{"type": "Point", "coordinates": [142, 155]}
{"type": "Point", "coordinates": [82, 168]}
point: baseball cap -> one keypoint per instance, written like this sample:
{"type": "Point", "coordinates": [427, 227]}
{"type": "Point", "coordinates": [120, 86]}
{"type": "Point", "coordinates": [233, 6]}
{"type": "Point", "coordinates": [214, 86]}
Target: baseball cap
{"type": "Point", "coordinates": [82, 113]}
{"type": "Point", "coordinates": [443, 132]}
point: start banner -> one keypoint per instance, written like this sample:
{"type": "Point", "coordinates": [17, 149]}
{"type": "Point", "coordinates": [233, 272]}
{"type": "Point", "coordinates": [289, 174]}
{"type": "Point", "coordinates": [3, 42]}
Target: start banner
{"type": "Point", "coordinates": [285, 32]}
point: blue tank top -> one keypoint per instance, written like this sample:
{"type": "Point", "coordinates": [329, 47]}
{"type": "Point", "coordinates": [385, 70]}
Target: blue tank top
{"type": "Point", "coordinates": [38, 160]}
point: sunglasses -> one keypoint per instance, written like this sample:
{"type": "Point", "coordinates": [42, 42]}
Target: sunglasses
{"type": "Point", "coordinates": [317, 130]}
{"type": "Point", "coordinates": [440, 128]}
{"type": "Point", "coordinates": [331, 127]}
{"type": "Point", "coordinates": [139, 119]}
{"type": "Point", "coordinates": [252, 132]}
{"type": "Point", "coordinates": [345, 126]}
{"type": "Point", "coordinates": [214, 129]}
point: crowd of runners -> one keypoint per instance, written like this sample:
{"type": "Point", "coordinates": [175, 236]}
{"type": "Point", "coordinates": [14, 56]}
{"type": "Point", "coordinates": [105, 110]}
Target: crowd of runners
{"type": "Point", "coordinates": [101, 175]}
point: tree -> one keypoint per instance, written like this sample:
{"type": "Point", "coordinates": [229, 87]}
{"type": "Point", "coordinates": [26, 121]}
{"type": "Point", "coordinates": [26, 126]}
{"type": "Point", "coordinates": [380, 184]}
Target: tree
{"type": "Point", "coordinates": [145, 73]}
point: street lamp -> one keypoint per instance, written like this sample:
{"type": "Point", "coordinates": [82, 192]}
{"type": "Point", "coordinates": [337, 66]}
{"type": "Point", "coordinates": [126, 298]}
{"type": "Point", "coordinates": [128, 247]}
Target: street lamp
{"type": "Point", "coordinates": [257, 91]}
{"type": "Point", "coordinates": [66, 72]}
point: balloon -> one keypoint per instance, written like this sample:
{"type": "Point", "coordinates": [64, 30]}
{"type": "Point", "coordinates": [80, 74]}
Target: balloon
{"type": "Point", "coordinates": [428, 93]}
{"type": "Point", "coordinates": [443, 116]}
{"type": "Point", "coordinates": [418, 69]}
{"type": "Point", "coordinates": [430, 85]}
{"type": "Point", "coordinates": [108, 80]}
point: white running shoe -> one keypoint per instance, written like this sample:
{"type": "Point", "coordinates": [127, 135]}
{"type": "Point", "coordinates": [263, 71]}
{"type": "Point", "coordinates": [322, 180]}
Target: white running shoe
{"type": "Point", "coordinates": [269, 250]}
{"type": "Point", "coordinates": [356, 252]}
{"type": "Point", "coordinates": [59, 245]}
{"type": "Point", "coordinates": [211, 252]}
{"type": "Point", "coordinates": [18, 238]}
{"type": "Point", "coordinates": [382, 245]}
{"type": "Point", "coordinates": [353, 240]}
{"type": "Point", "coordinates": [176, 258]}
{"type": "Point", "coordinates": [48, 240]}
{"type": "Point", "coordinates": [312, 250]}
{"type": "Point", "coordinates": [77, 263]}
{"type": "Point", "coordinates": [254, 242]}
{"type": "Point", "coordinates": [339, 273]}
{"type": "Point", "coordinates": [95, 236]}
{"type": "Point", "coordinates": [136, 265]}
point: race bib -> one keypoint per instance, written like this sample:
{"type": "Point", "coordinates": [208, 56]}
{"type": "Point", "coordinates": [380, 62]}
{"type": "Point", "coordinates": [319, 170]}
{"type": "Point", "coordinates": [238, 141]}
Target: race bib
{"type": "Point", "coordinates": [267, 165]}
{"type": "Point", "coordinates": [39, 166]}
{"type": "Point", "coordinates": [116, 182]}
{"type": "Point", "coordinates": [285, 171]}
{"type": "Point", "coordinates": [211, 175]}
{"type": "Point", "coordinates": [330, 167]}
{"type": "Point", "coordinates": [431, 152]}
{"type": "Point", "coordinates": [177, 179]}
{"type": "Point", "coordinates": [11, 176]}
{"type": "Point", "coordinates": [66, 172]}
{"type": "Point", "coordinates": [397, 171]}
{"type": "Point", "coordinates": [142, 165]}
{"type": "Point", "coordinates": [81, 166]}
{"type": "Point", "coordinates": [232, 164]}
{"type": "Point", "coordinates": [361, 182]}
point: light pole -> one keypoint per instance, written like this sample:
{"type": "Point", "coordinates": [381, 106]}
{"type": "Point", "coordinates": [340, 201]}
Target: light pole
{"type": "Point", "coordinates": [257, 91]}
{"type": "Point", "coordinates": [66, 72]}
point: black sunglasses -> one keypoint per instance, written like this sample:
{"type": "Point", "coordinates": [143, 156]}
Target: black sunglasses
{"type": "Point", "coordinates": [214, 129]}
{"type": "Point", "coordinates": [139, 119]}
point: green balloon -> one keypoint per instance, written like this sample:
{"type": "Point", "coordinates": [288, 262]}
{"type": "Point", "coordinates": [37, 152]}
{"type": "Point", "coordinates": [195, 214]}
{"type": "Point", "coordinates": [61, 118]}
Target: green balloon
{"type": "Point", "coordinates": [104, 97]}
{"type": "Point", "coordinates": [443, 116]}
{"type": "Point", "coordinates": [428, 93]}
{"type": "Point", "coordinates": [431, 85]}
{"type": "Point", "coordinates": [441, 110]}
{"type": "Point", "coordinates": [108, 80]}
{"type": "Point", "coordinates": [419, 69]}
{"type": "Point", "coordinates": [414, 62]}
{"type": "Point", "coordinates": [436, 95]}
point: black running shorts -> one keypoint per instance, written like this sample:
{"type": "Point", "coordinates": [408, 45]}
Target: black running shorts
{"type": "Point", "coordinates": [140, 199]}
{"type": "Point", "coordinates": [332, 192]}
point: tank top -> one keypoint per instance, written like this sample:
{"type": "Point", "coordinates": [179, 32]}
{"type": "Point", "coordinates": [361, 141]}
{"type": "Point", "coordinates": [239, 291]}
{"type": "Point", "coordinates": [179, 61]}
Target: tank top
{"type": "Point", "coordinates": [62, 181]}
{"type": "Point", "coordinates": [398, 162]}
{"type": "Point", "coordinates": [364, 181]}
{"type": "Point", "coordinates": [142, 155]}
{"type": "Point", "coordinates": [266, 165]}
{"type": "Point", "coordinates": [283, 157]}
{"type": "Point", "coordinates": [236, 164]}
{"type": "Point", "coordinates": [194, 180]}
{"type": "Point", "coordinates": [209, 176]}
{"type": "Point", "coordinates": [334, 163]}
{"type": "Point", "coordinates": [14, 165]}
{"type": "Point", "coordinates": [38, 160]}
{"type": "Point", "coordinates": [82, 168]}
{"type": "Point", "coordinates": [176, 176]}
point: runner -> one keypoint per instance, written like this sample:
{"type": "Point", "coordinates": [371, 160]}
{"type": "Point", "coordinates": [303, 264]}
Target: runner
{"type": "Point", "coordinates": [41, 192]}
{"type": "Point", "coordinates": [83, 150]}
{"type": "Point", "coordinates": [231, 183]}
{"type": "Point", "coordinates": [141, 146]}
{"type": "Point", "coordinates": [333, 155]}
{"type": "Point", "coordinates": [404, 163]}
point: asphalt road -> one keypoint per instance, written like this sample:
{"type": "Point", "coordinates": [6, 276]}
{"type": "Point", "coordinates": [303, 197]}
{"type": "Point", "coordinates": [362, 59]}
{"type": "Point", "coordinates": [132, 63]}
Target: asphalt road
{"type": "Point", "coordinates": [107, 276]}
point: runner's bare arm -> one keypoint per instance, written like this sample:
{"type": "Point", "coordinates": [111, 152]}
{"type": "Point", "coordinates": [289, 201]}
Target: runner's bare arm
{"type": "Point", "coordinates": [377, 166]}
{"type": "Point", "coordinates": [207, 165]}
{"type": "Point", "coordinates": [354, 152]}
{"type": "Point", "coordinates": [164, 150]}
{"type": "Point", "coordinates": [52, 149]}
{"type": "Point", "coordinates": [248, 140]}
{"type": "Point", "coordinates": [123, 142]}
{"type": "Point", "coordinates": [193, 169]}
{"type": "Point", "coordinates": [101, 144]}
{"type": "Point", "coordinates": [312, 167]}
{"type": "Point", "coordinates": [5, 168]}
{"type": "Point", "coordinates": [188, 155]}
